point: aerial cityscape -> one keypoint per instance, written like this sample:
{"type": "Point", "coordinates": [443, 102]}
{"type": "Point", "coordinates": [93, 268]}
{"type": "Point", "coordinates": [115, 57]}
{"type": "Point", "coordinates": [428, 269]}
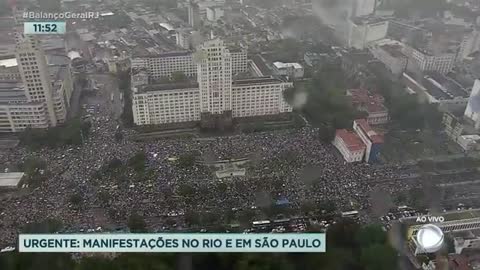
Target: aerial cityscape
{"type": "Point", "coordinates": [359, 119]}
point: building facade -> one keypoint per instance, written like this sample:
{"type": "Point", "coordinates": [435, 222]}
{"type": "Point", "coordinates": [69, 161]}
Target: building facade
{"type": "Point", "coordinates": [215, 94]}
{"type": "Point", "coordinates": [425, 61]}
{"type": "Point", "coordinates": [42, 98]}
{"type": "Point", "coordinates": [293, 70]}
{"type": "Point", "coordinates": [363, 31]}
{"type": "Point", "coordinates": [452, 126]}
{"type": "Point", "coordinates": [215, 77]}
{"type": "Point", "coordinates": [391, 55]}
{"type": "Point", "coordinates": [168, 103]}
{"type": "Point", "coordinates": [472, 111]}
{"type": "Point", "coordinates": [164, 65]}
{"type": "Point", "coordinates": [194, 15]}
{"type": "Point", "coordinates": [372, 141]}
{"type": "Point", "coordinates": [349, 145]}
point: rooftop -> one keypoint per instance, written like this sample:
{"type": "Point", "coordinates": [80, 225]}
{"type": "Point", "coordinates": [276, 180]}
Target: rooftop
{"type": "Point", "coordinates": [168, 54]}
{"type": "Point", "coordinates": [10, 179]}
{"type": "Point", "coordinates": [374, 137]}
{"type": "Point", "coordinates": [395, 50]}
{"type": "Point", "coordinates": [168, 86]}
{"type": "Point", "coordinates": [351, 140]}
{"type": "Point", "coordinates": [10, 62]}
{"type": "Point", "coordinates": [260, 63]}
{"type": "Point", "coordinates": [364, 100]}
{"type": "Point", "coordinates": [262, 80]}
{"type": "Point", "coordinates": [280, 65]}
{"type": "Point", "coordinates": [442, 87]}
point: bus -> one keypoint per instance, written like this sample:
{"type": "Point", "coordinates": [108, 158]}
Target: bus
{"type": "Point", "coordinates": [350, 214]}
{"type": "Point", "coordinates": [260, 223]}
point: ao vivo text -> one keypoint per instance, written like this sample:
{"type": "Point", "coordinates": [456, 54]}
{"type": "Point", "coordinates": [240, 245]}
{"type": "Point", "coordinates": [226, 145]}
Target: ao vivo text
{"type": "Point", "coordinates": [435, 219]}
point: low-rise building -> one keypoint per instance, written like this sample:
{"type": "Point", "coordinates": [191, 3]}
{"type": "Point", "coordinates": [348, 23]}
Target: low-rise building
{"type": "Point", "coordinates": [314, 59]}
{"type": "Point", "coordinates": [349, 145]}
{"type": "Point", "coordinates": [436, 88]}
{"type": "Point", "coordinates": [391, 56]}
{"type": "Point", "coordinates": [462, 244]}
{"type": "Point", "coordinates": [293, 70]}
{"type": "Point", "coordinates": [372, 104]}
{"type": "Point", "coordinates": [469, 142]}
{"type": "Point", "coordinates": [371, 139]}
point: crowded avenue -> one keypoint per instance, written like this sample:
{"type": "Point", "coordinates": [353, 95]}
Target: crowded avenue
{"type": "Point", "coordinates": [289, 165]}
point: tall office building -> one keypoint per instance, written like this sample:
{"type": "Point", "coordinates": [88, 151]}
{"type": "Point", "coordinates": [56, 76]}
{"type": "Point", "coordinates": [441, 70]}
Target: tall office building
{"type": "Point", "coordinates": [193, 14]}
{"type": "Point", "coordinates": [363, 7]}
{"type": "Point", "coordinates": [214, 100]}
{"type": "Point", "coordinates": [215, 77]}
{"type": "Point", "coordinates": [33, 69]}
{"type": "Point", "coordinates": [35, 92]}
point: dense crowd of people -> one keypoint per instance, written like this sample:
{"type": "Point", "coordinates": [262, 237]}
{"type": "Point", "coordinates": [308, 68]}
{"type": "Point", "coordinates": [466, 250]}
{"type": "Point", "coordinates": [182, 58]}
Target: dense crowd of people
{"type": "Point", "coordinates": [288, 165]}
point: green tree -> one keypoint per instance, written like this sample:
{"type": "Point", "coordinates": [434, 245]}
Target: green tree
{"type": "Point", "coordinates": [192, 218]}
{"type": "Point", "coordinates": [114, 163]}
{"type": "Point", "coordinates": [48, 225]}
{"type": "Point", "coordinates": [186, 190]}
{"type": "Point", "coordinates": [104, 197]}
{"type": "Point", "coordinates": [186, 160]}
{"type": "Point", "coordinates": [379, 257]}
{"type": "Point", "coordinates": [76, 199]}
{"type": "Point", "coordinates": [136, 223]}
{"type": "Point", "coordinates": [137, 162]}
{"type": "Point", "coordinates": [326, 132]}
{"type": "Point", "coordinates": [371, 234]}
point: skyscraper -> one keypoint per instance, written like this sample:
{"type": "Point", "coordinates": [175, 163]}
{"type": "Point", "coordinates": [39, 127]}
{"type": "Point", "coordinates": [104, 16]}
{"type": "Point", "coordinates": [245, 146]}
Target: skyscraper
{"type": "Point", "coordinates": [193, 14]}
{"type": "Point", "coordinates": [35, 91]}
{"type": "Point", "coordinates": [33, 69]}
{"type": "Point", "coordinates": [214, 77]}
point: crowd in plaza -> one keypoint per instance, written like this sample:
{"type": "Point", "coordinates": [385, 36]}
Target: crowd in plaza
{"type": "Point", "coordinates": [289, 165]}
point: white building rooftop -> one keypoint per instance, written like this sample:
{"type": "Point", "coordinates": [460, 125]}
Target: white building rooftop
{"type": "Point", "coordinates": [10, 179]}
{"type": "Point", "coordinates": [11, 62]}
{"type": "Point", "coordinates": [280, 65]}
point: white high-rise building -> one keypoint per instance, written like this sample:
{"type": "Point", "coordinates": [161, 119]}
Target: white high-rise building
{"type": "Point", "coordinates": [364, 7]}
{"type": "Point", "coordinates": [35, 75]}
{"type": "Point", "coordinates": [215, 77]}
{"type": "Point", "coordinates": [41, 98]}
{"type": "Point", "coordinates": [193, 14]}
{"type": "Point", "coordinates": [215, 94]}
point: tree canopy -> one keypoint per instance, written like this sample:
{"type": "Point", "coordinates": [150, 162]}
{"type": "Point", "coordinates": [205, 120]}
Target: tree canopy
{"type": "Point", "coordinates": [72, 133]}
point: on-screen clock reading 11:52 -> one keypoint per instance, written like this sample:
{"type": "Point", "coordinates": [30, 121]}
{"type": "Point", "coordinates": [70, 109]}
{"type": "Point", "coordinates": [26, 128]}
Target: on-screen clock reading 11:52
{"type": "Point", "coordinates": [34, 28]}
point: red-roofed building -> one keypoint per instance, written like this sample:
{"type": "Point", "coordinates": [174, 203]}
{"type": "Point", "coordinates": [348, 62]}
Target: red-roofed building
{"type": "Point", "coordinates": [370, 103]}
{"type": "Point", "coordinates": [372, 140]}
{"type": "Point", "coordinates": [458, 262]}
{"type": "Point", "coordinates": [350, 145]}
